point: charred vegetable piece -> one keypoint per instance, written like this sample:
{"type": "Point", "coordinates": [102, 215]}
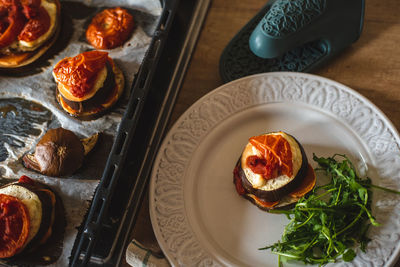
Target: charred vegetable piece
{"type": "Point", "coordinates": [89, 143]}
{"type": "Point", "coordinates": [60, 152]}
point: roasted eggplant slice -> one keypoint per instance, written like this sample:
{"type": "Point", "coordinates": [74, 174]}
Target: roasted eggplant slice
{"type": "Point", "coordinates": [60, 152]}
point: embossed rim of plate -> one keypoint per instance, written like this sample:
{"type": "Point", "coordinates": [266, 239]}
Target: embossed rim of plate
{"type": "Point", "coordinates": [387, 157]}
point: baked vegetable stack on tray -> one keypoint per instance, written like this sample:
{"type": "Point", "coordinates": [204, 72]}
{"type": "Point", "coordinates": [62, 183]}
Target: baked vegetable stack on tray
{"type": "Point", "coordinates": [66, 69]}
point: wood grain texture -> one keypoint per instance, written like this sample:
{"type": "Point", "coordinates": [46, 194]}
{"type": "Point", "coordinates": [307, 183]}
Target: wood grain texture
{"type": "Point", "coordinates": [370, 66]}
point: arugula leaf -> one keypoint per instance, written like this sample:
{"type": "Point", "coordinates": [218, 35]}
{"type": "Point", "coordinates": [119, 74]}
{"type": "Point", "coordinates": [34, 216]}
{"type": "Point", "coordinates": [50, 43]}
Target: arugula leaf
{"type": "Point", "coordinates": [325, 225]}
{"type": "Point", "coordinates": [349, 255]}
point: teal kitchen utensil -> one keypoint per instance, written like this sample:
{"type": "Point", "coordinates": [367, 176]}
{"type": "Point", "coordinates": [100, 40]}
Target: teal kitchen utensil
{"type": "Point", "coordinates": [292, 35]}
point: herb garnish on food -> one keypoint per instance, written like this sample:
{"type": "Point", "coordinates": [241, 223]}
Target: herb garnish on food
{"type": "Point", "coordinates": [325, 225]}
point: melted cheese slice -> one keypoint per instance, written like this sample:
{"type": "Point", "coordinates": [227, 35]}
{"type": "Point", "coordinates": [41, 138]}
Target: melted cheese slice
{"type": "Point", "coordinates": [32, 203]}
{"type": "Point", "coordinates": [256, 180]}
{"type": "Point", "coordinates": [51, 8]}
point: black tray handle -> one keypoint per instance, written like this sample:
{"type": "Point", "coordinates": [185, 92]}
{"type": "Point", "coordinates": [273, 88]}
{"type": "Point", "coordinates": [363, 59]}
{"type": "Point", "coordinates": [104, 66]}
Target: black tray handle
{"type": "Point", "coordinates": [126, 131]}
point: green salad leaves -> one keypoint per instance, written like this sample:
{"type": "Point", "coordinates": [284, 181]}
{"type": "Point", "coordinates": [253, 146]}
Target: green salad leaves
{"type": "Point", "coordinates": [328, 223]}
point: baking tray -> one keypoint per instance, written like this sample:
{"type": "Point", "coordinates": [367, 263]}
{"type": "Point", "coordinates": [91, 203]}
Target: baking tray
{"type": "Point", "coordinates": [103, 236]}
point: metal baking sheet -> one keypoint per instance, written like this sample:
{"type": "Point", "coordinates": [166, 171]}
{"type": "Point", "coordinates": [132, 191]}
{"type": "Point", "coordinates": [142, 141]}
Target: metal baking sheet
{"type": "Point", "coordinates": [115, 207]}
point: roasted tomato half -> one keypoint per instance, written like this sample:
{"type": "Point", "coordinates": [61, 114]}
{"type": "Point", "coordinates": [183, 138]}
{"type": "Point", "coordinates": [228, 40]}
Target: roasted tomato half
{"type": "Point", "coordinates": [11, 23]}
{"type": "Point", "coordinates": [80, 72]}
{"type": "Point", "coordinates": [14, 225]}
{"type": "Point", "coordinates": [37, 25]}
{"type": "Point", "coordinates": [110, 28]}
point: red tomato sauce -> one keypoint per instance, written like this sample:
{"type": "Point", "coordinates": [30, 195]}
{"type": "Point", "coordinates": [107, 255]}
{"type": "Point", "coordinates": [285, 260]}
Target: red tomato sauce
{"type": "Point", "coordinates": [276, 157]}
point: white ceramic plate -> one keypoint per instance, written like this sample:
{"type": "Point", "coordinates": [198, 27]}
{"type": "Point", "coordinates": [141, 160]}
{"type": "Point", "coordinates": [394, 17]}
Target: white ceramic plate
{"type": "Point", "coordinates": [197, 216]}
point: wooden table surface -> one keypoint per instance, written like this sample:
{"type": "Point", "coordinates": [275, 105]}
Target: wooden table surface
{"type": "Point", "coordinates": [371, 66]}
